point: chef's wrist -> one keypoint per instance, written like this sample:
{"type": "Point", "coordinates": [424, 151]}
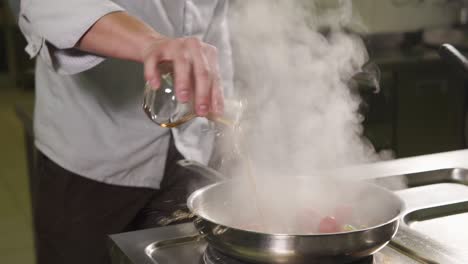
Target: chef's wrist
{"type": "Point", "coordinates": [150, 42]}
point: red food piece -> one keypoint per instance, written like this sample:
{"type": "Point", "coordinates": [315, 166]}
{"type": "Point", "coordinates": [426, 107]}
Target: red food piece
{"type": "Point", "coordinates": [328, 225]}
{"type": "Point", "coordinates": [343, 214]}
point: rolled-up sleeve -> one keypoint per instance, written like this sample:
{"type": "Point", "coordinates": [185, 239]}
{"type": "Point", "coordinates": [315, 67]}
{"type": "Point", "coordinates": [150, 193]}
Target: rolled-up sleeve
{"type": "Point", "coordinates": [52, 28]}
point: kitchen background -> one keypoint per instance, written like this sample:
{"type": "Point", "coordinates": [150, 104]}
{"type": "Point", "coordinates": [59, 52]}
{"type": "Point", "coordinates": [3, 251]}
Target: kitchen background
{"type": "Point", "coordinates": [420, 109]}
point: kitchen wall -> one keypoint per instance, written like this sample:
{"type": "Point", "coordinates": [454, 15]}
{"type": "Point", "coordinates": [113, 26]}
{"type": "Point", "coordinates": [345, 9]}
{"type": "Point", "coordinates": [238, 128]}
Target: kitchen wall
{"type": "Point", "coordinates": [393, 16]}
{"type": "Point", "coordinates": [16, 235]}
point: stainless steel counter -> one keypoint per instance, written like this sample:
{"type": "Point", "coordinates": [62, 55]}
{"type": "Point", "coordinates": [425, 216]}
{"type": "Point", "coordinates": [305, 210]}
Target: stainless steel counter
{"type": "Point", "coordinates": [433, 228]}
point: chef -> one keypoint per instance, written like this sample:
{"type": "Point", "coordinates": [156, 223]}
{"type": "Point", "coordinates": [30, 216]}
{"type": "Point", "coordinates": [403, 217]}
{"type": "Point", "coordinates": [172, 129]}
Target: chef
{"type": "Point", "coordinates": [103, 166]}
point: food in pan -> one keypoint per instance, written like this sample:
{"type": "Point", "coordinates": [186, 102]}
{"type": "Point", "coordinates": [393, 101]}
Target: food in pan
{"type": "Point", "coordinates": [342, 220]}
{"type": "Point", "coordinates": [328, 224]}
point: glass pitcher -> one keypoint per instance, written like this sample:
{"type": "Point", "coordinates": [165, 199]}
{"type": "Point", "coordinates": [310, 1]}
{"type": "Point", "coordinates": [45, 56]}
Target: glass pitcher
{"type": "Point", "coordinates": [162, 107]}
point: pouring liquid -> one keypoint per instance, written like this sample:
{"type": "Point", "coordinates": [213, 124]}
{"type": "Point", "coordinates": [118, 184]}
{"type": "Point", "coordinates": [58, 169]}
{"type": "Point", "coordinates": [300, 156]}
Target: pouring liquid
{"type": "Point", "coordinates": [217, 119]}
{"type": "Point", "coordinates": [178, 122]}
{"type": "Point", "coordinates": [252, 180]}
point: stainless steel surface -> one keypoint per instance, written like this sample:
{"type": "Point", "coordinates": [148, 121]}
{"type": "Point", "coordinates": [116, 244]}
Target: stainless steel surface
{"type": "Point", "coordinates": [434, 221]}
{"type": "Point", "coordinates": [411, 180]}
{"type": "Point", "coordinates": [440, 177]}
{"type": "Point", "coordinates": [223, 230]}
{"type": "Point", "coordinates": [138, 247]}
{"type": "Point", "coordinates": [159, 254]}
{"type": "Point", "coordinates": [428, 201]}
{"type": "Point", "coordinates": [189, 249]}
{"type": "Point", "coordinates": [439, 212]}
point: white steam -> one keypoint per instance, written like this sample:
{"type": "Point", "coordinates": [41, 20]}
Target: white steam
{"type": "Point", "coordinates": [302, 114]}
{"type": "Point", "coordinates": [302, 117]}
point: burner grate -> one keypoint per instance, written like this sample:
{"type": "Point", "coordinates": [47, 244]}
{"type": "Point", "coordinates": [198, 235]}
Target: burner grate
{"type": "Point", "coordinates": [213, 256]}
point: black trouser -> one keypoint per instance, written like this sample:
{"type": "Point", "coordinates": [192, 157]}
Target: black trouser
{"type": "Point", "coordinates": [74, 215]}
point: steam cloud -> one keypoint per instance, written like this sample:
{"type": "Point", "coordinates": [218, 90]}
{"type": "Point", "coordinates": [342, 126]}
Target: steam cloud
{"type": "Point", "coordinates": [302, 117]}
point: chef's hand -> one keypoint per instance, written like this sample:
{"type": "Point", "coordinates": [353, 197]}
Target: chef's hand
{"type": "Point", "coordinates": [195, 64]}
{"type": "Point", "coordinates": [195, 67]}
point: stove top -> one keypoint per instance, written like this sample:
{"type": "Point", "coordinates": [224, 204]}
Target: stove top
{"type": "Point", "coordinates": [192, 249]}
{"type": "Point", "coordinates": [181, 244]}
{"type": "Point", "coordinates": [213, 256]}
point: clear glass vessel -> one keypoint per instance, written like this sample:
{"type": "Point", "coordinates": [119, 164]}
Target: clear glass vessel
{"type": "Point", "coordinates": [163, 108]}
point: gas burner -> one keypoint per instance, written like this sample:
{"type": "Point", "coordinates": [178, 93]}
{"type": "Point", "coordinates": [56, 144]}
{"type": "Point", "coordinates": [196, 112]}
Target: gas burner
{"type": "Point", "coordinates": [213, 256]}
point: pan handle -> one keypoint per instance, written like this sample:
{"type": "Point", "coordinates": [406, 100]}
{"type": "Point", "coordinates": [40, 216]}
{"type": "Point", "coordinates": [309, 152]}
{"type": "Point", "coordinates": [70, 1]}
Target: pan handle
{"type": "Point", "coordinates": [368, 79]}
{"type": "Point", "coordinates": [455, 57]}
{"type": "Point", "coordinates": [204, 171]}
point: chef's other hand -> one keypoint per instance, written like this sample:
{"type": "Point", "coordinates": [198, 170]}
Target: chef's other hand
{"type": "Point", "coordinates": [196, 71]}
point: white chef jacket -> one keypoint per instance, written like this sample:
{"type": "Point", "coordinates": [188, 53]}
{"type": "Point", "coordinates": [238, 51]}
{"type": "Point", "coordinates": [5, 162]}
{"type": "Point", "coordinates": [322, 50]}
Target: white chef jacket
{"type": "Point", "coordinates": [88, 116]}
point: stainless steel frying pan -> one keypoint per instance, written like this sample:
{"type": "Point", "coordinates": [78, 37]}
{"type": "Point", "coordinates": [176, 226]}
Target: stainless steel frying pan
{"type": "Point", "coordinates": [216, 221]}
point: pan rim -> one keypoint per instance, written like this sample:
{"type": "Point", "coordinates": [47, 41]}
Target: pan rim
{"type": "Point", "coordinates": [396, 218]}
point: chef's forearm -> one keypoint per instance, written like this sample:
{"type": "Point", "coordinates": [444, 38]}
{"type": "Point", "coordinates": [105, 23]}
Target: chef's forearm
{"type": "Point", "coordinates": [195, 63]}
{"type": "Point", "coordinates": [119, 35]}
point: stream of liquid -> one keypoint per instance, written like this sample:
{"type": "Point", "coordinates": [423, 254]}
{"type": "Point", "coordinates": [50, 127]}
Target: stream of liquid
{"type": "Point", "coordinates": [185, 119]}
{"type": "Point", "coordinates": [252, 180]}
{"type": "Point", "coordinates": [178, 122]}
